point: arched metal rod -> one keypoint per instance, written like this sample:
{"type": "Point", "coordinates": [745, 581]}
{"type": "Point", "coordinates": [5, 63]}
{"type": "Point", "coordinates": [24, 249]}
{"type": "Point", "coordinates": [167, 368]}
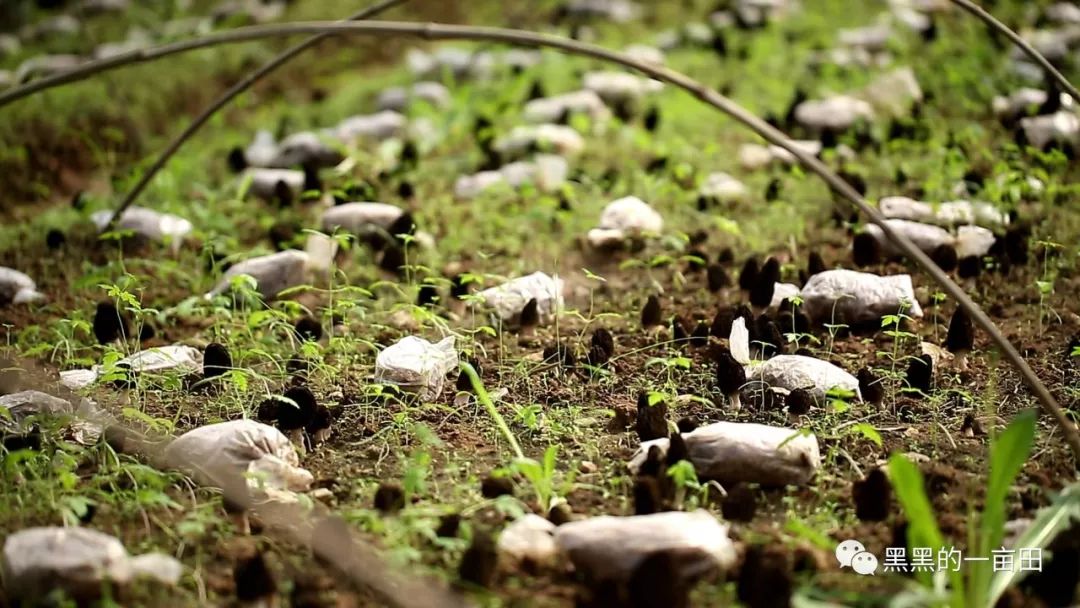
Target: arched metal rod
{"type": "Point", "coordinates": [436, 31]}
{"type": "Point", "coordinates": [1022, 44]}
{"type": "Point", "coordinates": [226, 97]}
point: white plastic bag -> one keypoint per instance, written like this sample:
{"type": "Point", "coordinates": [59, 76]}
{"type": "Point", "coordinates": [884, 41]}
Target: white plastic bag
{"type": "Point", "coordinates": [152, 360]}
{"type": "Point", "coordinates": [276, 272]}
{"type": "Point", "coordinates": [264, 181]}
{"type": "Point", "coordinates": [528, 540]}
{"type": "Point", "coordinates": [724, 188]}
{"type": "Point", "coordinates": [1062, 127]}
{"type": "Point", "coordinates": [355, 217]}
{"type": "Point", "coordinates": [378, 126]}
{"type": "Point", "coordinates": [790, 372]}
{"type": "Point", "coordinates": [625, 217]}
{"type": "Point", "coordinates": [609, 548]}
{"type": "Point", "coordinates": [836, 113]}
{"type": "Point", "coordinates": [31, 403]}
{"type": "Point", "coordinates": [614, 87]}
{"type": "Point", "coordinates": [399, 98]}
{"type": "Point", "coordinates": [155, 226]}
{"type": "Point", "coordinates": [925, 236]}
{"type": "Point", "coordinates": [17, 287]}
{"type": "Point", "coordinates": [847, 296]}
{"type": "Point", "coordinates": [417, 365]}
{"type": "Point", "coordinates": [545, 171]}
{"type": "Point", "coordinates": [509, 298]}
{"type": "Point", "coordinates": [552, 109]}
{"type": "Point", "coordinates": [733, 452]}
{"type": "Point", "coordinates": [214, 452]}
{"type": "Point", "coordinates": [525, 139]}
{"type": "Point", "coordinates": [948, 214]}
{"type": "Point", "coordinates": [78, 560]}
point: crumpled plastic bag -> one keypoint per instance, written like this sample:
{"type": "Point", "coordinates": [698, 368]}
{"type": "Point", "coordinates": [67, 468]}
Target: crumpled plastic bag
{"type": "Point", "coordinates": [417, 365]}
{"type": "Point", "coordinates": [1062, 127]}
{"type": "Point", "coordinates": [214, 452]}
{"type": "Point", "coordinates": [724, 188]}
{"type": "Point", "coordinates": [755, 156]}
{"type": "Point", "coordinates": [1016, 104]}
{"type": "Point", "coordinates": [462, 63]}
{"type": "Point", "coordinates": [264, 181]}
{"type": "Point", "coordinates": [17, 287]}
{"type": "Point", "coordinates": [528, 540]}
{"type": "Point", "coordinates": [153, 225]}
{"type": "Point", "coordinates": [615, 87]}
{"type": "Point", "coordinates": [947, 214]}
{"type": "Point", "coordinates": [616, 11]}
{"type": "Point", "coordinates": [306, 148]}
{"type": "Point", "coordinates": [837, 113]}
{"type": "Point", "coordinates": [276, 272]}
{"type": "Point", "coordinates": [790, 372]}
{"type": "Point", "coordinates": [734, 452]}
{"type": "Point", "coordinates": [25, 404]}
{"type": "Point", "coordinates": [77, 560]}
{"type": "Point", "coordinates": [608, 548]}
{"type": "Point", "coordinates": [782, 291]}
{"type": "Point", "coordinates": [152, 360]}
{"type": "Point", "coordinates": [526, 139]}
{"type": "Point", "coordinates": [552, 109]}
{"type": "Point", "coordinates": [546, 171]}
{"type": "Point", "coordinates": [894, 93]}
{"type": "Point", "coordinates": [356, 217]}
{"type": "Point", "coordinates": [848, 296]}
{"type": "Point", "coordinates": [399, 98]}
{"type": "Point", "coordinates": [509, 298]}
{"type": "Point", "coordinates": [379, 126]}
{"type": "Point", "coordinates": [925, 236]}
{"type": "Point", "coordinates": [871, 38]}
{"type": "Point", "coordinates": [625, 217]}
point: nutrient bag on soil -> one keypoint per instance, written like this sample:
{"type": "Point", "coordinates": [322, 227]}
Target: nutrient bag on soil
{"type": "Point", "coordinates": [529, 540]}
{"type": "Point", "coordinates": [968, 240]}
{"type": "Point", "coordinates": [17, 288]}
{"type": "Point", "coordinates": [724, 188]}
{"type": "Point", "coordinates": [545, 171]}
{"type": "Point", "coordinates": [263, 182]}
{"type": "Point", "coordinates": [626, 217]}
{"type": "Point", "coordinates": [377, 127]}
{"type": "Point", "coordinates": [82, 418]}
{"type": "Point", "coordinates": [847, 296]}
{"type": "Point", "coordinates": [608, 548]}
{"type": "Point", "coordinates": [835, 114]}
{"type": "Point", "coordinates": [556, 108]}
{"type": "Point", "coordinates": [619, 87]}
{"type": "Point", "coordinates": [149, 224]}
{"type": "Point", "coordinates": [952, 213]}
{"type": "Point", "coordinates": [508, 299]}
{"type": "Point", "coordinates": [733, 452]}
{"type": "Point", "coordinates": [306, 148]}
{"type": "Point", "coordinates": [755, 156]}
{"type": "Point", "coordinates": [358, 218]}
{"type": "Point", "coordinates": [526, 139]}
{"type": "Point", "coordinates": [1060, 128]}
{"type": "Point", "coordinates": [894, 93]}
{"type": "Point", "coordinates": [417, 365]}
{"type": "Point", "coordinates": [398, 99]}
{"type": "Point", "coordinates": [183, 359]}
{"type": "Point", "coordinates": [789, 372]}
{"type": "Point", "coordinates": [276, 272]}
{"type": "Point", "coordinates": [215, 453]}
{"type": "Point", "coordinates": [77, 560]}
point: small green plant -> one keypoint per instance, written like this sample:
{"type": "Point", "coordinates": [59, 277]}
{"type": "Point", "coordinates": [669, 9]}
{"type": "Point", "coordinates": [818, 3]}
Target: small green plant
{"type": "Point", "coordinates": [980, 585]}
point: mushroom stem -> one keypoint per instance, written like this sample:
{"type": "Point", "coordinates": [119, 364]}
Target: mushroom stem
{"type": "Point", "coordinates": [736, 402]}
{"type": "Point", "coordinates": [961, 361]}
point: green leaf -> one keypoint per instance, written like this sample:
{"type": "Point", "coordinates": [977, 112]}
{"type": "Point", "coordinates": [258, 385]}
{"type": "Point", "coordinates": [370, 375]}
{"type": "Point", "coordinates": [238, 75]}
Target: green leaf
{"type": "Point", "coordinates": [923, 530]}
{"type": "Point", "coordinates": [868, 432]}
{"type": "Point", "coordinates": [1008, 453]}
{"type": "Point", "coordinates": [1048, 523]}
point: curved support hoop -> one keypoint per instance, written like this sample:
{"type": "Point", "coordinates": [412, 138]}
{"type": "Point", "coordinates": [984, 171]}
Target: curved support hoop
{"type": "Point", "coordinates": [436, 31]}
{"type": "Point", "coordinates": [219, 103]}
{"type": "Point", "coordinates": [1020, 43]}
